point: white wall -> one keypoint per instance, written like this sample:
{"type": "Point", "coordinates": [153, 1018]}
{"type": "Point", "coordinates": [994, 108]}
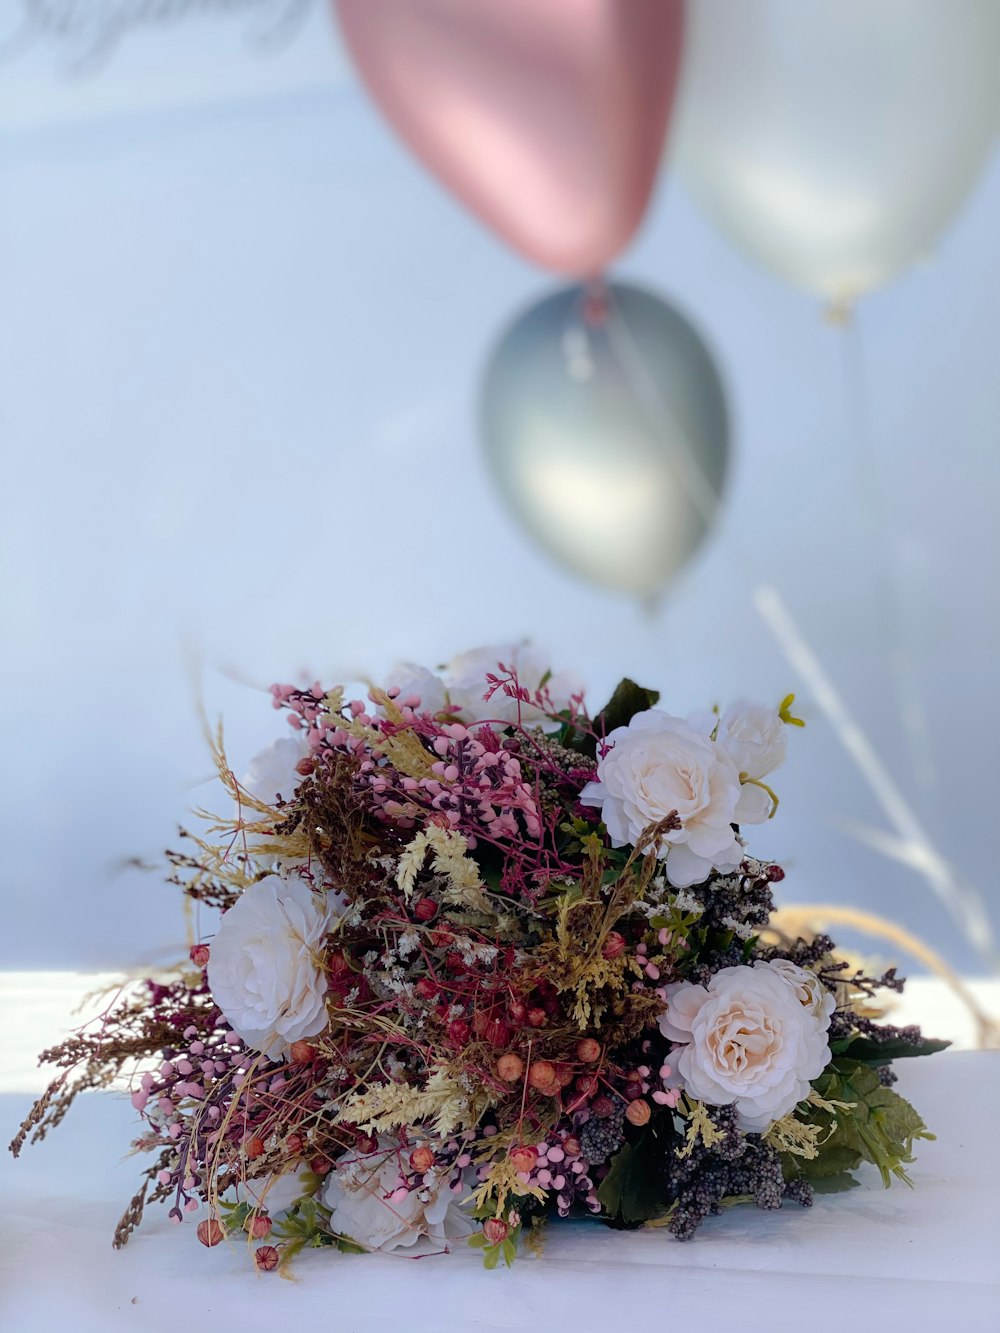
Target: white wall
{"type": "Point", "coordinates": [239, 344]}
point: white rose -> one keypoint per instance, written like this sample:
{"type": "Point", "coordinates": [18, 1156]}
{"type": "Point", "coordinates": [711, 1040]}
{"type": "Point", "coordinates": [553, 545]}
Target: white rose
{"type": "Point", "coordinates": [361, 1194]}
{"type": "Point", "coordinates": [658, 764]}
{"type": "Point", "coordinates": [271, 774]}
{"type": "Point", "coordinates": [809, 990]}
{"type": "Point", "coordinates": [747, 1040]}
{"type": "Point", "coordinates": [754, 738]}
{"type": "Point", "coordinates": [265, 966]}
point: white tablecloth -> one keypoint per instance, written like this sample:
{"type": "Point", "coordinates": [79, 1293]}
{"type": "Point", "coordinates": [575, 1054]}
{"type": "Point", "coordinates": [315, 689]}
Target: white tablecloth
{"type": "Point", "coordinates": [917, 1259]}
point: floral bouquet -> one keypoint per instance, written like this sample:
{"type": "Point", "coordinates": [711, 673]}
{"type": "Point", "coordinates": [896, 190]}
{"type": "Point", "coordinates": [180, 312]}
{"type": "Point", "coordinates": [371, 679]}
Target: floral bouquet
{"type": "Point", "coordinates": [484, 961]}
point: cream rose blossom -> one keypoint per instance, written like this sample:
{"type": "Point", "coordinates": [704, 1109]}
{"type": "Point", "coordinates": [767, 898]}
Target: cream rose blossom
{"type": "Point", "coordinates": [658, 764]}
{"type": "Point", "coordinates": [272, 775]}
{"type": "Point", "coordinates": [747, 1039]}
{"type": "Point", "coordinates": [370, 1204]}
{"type": "Point", "coordinates": [264, 968]}
{"type": "Point", "coordinates": [755, 738]}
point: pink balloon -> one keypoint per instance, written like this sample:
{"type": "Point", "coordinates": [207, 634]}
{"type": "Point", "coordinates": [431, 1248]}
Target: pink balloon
{"type": "Point", "coordinates": [545, 117]}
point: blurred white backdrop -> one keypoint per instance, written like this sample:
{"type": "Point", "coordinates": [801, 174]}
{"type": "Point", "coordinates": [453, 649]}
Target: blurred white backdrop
{"type": "Point", "coordinates": [240, 338]}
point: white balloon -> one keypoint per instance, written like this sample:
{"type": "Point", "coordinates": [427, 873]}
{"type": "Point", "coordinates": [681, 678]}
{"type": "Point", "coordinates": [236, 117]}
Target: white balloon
{"type": "Point", "coordinates": [834, 140]}
{"type": "Point", "coordinates": [608, 436]}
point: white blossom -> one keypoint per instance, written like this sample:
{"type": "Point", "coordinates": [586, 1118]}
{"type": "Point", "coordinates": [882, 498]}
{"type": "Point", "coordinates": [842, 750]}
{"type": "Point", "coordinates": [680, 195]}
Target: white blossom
{"type": "Point", "coordinates": [748, 1039]}
{"type": "Point", "coordinates": [659, 764]}
{"type": "Point", "coordinates": [370, 1206]}
{"type": "Point", "coordinates": [265, 971]}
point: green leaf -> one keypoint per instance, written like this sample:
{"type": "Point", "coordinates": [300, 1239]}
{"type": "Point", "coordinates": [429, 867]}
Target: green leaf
{"type": "Point", "coordinates": [833, 1160]}
{"type": "Point", "coordinates": [627, 700]}
{"type": "Point", "coordinates": [879, 1127]}
{"type": "Point", "coordinates": [835, 1184]}
{"type": "Point", "coordinates": [631, 1190]}
{"type": "Point", "coordinates": [884, 1052]}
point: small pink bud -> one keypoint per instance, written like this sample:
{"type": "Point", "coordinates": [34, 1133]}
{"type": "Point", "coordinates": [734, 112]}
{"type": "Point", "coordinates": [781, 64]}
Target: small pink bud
{"type": "Point", "coordinates": [199, 954]}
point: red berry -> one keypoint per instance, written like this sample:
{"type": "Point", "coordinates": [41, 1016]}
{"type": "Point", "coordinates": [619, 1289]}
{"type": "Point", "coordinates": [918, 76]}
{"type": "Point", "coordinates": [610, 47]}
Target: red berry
{"type": "Point", "coordinates": [495, 1229]}
{"type": "Point", "coordinates": [614, 945]}
{"type": "Point", "coordinates": [421, 1159]}
{"type": "Point", "coordinates": [497, 1032]}
{"type": "Point", "coordinates": [537, 1018]}
{"type": "Point", "coordinates": [425, 909]}
{"type": "Point", "coordinates": [266, 1258]}
{"type": "Point", "coordinates": [255, 1146]}
{"type": "Point", "coordinates": [459, 1031]}
{"type": "Point", "coordinates": [602, 1106]}
{"type": "Point", "coordinates": [524, 1157]}
{"type": "Point", "coordinates": [302, 1052]}
{"type": "Point", "coordinates": [210, 1232]}
{"type": "Point", "coordinates": [259, 1226]}
{"type": "Point", "coordinates": [321, 1165]}
{"type": "Point", "coordinates": [510, 1067]}
{"type": "Point", "coordinates": [638, 1112]}
{"type": "Point", "coordinates": [542, 1076]}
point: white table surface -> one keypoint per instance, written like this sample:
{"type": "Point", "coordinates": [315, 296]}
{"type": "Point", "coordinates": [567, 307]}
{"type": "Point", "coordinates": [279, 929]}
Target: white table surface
{"type": "Point", "coordinates": [911, 1259]}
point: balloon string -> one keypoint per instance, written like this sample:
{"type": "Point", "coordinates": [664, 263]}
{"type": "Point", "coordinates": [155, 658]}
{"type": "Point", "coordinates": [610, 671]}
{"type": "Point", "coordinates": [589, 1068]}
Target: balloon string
{"type": "Point", "coordinates": [960, 899]}
{"type": "Point", "coordinates": [871, 500]}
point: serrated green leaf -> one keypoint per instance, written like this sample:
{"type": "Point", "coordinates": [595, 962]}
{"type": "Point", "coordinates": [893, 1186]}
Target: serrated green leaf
{"type": "Point", "coordinates": [880, 1126]}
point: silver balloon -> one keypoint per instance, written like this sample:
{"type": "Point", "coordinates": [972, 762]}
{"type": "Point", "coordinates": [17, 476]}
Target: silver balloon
{"type": "Point", "coordinates": [835, 142]}
{"type": "Point", "coordinates": [605, 425]}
